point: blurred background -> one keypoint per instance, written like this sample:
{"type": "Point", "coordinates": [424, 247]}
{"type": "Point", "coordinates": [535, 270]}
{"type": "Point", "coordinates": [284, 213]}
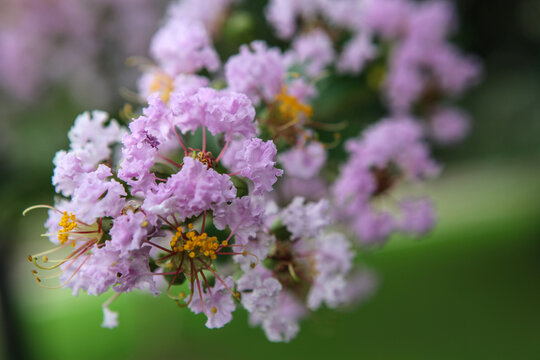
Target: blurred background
{"type": "Point", "coordinates": [468, 290]}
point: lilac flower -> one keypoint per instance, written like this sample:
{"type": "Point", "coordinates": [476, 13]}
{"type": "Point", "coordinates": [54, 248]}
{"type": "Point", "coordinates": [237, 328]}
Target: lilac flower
{"type": "Point", "coordinates": [305, 220]}
{"type": "Point", "coordinates": [257, 248]}
{"type": "Point", "coordinates": [304, 162]}
{"type": "Point", "coordinates": [155, 81]}
{"type": "Point", "coordinates": [282, 15]}
{"type": "Point", "coordinates": [141, 145]}
{"type": "Point", "coordinates": [97, 272]}
{"type": "Point", "coordinates": [209, 12]}
{"type": "Point", "coordinates": [281, 324]}
{"type": "Point", "coordinates": [356, 53]}
{"type": "Point", "coordinates": [361, 285]}
{"type": "Point", "coordinates": [418, 216]}
{"type": "Point", "coordinates": [129, 231]}
{"type": "Point", "coordinates": [314, 50]}
{"type": "Point", "coordinates": [397, 141]}
{"type": "Point", "coordinates": [346, 14]}
{"type": "Point", "coordinates": [183, 46]}
{"type": "Point", "coordinates": [217, 303]}
{"type": "Point", "coordinates": [91, 139]}
{"type": "Point", "coordinates": [95, 196]}
{"type": "Point", "coordinates": [437, 16]}
{"type": "Point", "coordinates": [387, 17]}
{"type": "Point", "coordinates": [67, 172]}
{"type": "Point", "coordinates": [388, 152]}
{"type": "Point", "coordinates": [454, 71]}
{"type": "Point", "coordinates": [219, 111]}
{"type": "Point", "coordinates": [333, 259]}
{"type": "Point", "coordinates": [372, 226]}
{"type": "Point", "coordinates": [257, 71]}
{"type": "Point", "coordinates": [194, 189]}
{"type": "Point", "coordinates": [255, 160]}
{"type": "Point", "coordinates": [448, 125]}
{"type": "Point", "coordinates": [243, 216]}
{"type": "Point", "coordinates": [260, 291]}
{"type": "Point", "coordinates": [302, 90]}
{"type": "Point", "coordinates": [110, 318]}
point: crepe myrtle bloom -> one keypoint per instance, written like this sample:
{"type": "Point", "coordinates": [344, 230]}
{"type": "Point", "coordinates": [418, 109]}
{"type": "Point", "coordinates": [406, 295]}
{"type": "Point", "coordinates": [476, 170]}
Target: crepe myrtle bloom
{"type": "Point", "coordinates": [257, 71]}
{"type": "Point", "coordinates": [388, 153]}
{"type": "Point", "coordinates": [183, 46]}
{"type": "Point", "coordinates": [306, 266]}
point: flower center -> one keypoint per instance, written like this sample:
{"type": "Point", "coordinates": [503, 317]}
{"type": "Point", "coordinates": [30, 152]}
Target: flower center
{"type": "Point", "coordinates": [203, 156]}
{"type": "Point", "coordinates": [163, 84]}
{"type": "Point", "coordinates": [194, 244]}
{"type": "Point", "coordinates": [290, 108]}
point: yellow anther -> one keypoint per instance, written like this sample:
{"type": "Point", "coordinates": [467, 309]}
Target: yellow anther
{"type": "Point", "coordinates": [244, 252]}
{"type": "Point", "coordinates": [252, 265]}
{"type": "Point", "coordinates": [192, 255]}
{"type": "Point", "coordinates": [162, 84]}
{"type": "Point", "coordinates": [29, 258]}
{"type": "Point", "coordinates": [67, 223]}
{"type": "Point", "coordinates": [45, 259]}
{"type": "Point", "coordinates": [213, 256]}
{"type": "Point", "coordinates": [182, 295]}
{"type": "Point", "coordinates": [213, 310]}
{"type": "Point", "coordinates": [225, 243]}
{"type": "Point", "coordinates": [190, 226]}
{"type": "Point", "coordinates": [290, 107]}
{"type": "Point", "coordinates": [144, 223]}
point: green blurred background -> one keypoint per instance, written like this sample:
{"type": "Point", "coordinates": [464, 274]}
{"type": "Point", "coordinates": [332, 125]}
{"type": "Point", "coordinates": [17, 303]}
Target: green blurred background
{"type": "Point", "coordinates": [469, 290]}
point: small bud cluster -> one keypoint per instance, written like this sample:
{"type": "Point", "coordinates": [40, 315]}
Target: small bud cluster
{"type": "Point", "coordinates": [225, 197]}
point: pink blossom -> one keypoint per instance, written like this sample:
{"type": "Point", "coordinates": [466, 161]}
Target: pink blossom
{"type": "Point", "coordinates": [183, 46]}
{"type": "Point", "coordinates": [304, 162]}
{"type": "Point", "coordinates": [255, 160]}
{"type": "Point", "coordinates": [449, 125]}
{"type": "Point", "coordinates": [243, 217]}
{"type": "Point", "coordinates": [305, 220]}
{"type": "Point", "coordinates": [218, 304]}
{"type": "Point", "coordinates": [194, 189]}
{"type": "Point", "coordinates": [257, 71]}
{"type": "Point", "coordinates": [219, 111]}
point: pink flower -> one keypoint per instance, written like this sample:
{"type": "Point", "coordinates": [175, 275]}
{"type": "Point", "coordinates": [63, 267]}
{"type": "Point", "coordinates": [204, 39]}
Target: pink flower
{"type": "Point", "coordinates": [448, 125]}
{"type": "Point", "coordinates": [194, 189]}
{"type": "Point", "coordinates": [218, 303]}
{"type": "Point", "coordinates": [219, 111]}
{"type": "Point", "coordinates": [304, 162]}
{"type": "Point", "coordinates": [254, 159]}
{"type": "Point", "coordinates": [183, 46]}
{"type": "Point", "coordinates": [243, 216]}
{"type": "Point", "coordinates": [305, 220]}
{"type": "Point", "coordinates": [313, 50]}
{"type": "Point", "coordinates": [257, 71]}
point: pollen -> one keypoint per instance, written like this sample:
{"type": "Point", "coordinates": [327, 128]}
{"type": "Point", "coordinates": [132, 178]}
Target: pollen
{"type": "Point", "coordinates": [213, 310]}
{"type": "Point", "coordinates": [162, 84]}
{"type": "Point", "coordinates": [291, 108]}
{"type": "Point", "coordinates": [195, 244]}
{"type": "Point", "coordinates": [67, 223]}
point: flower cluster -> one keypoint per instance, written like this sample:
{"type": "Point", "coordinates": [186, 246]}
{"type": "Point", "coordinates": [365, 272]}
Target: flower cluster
{"type": "Point", "coordinates": [221, 194]}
